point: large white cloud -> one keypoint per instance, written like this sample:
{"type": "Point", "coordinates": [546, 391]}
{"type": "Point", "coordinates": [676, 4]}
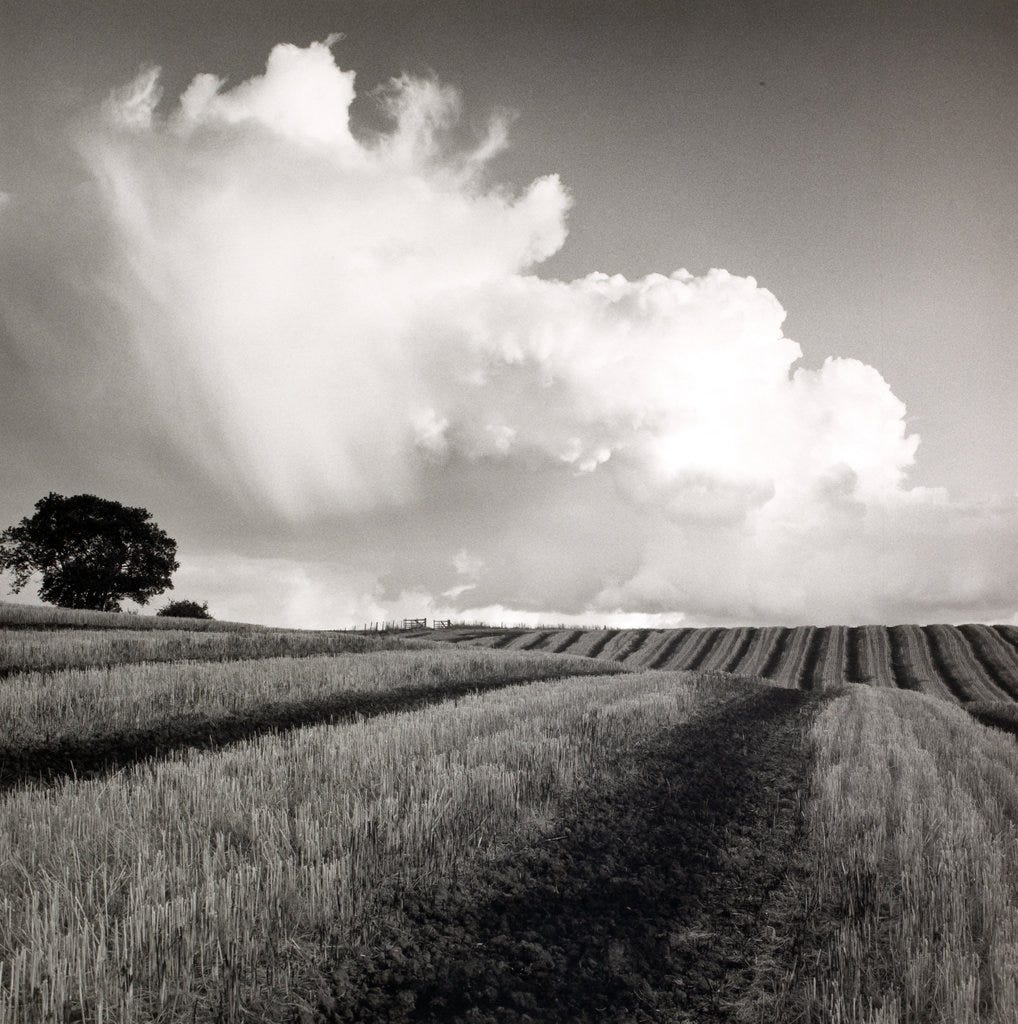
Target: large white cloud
{"type": "Point", "coordinates": [341, 332]}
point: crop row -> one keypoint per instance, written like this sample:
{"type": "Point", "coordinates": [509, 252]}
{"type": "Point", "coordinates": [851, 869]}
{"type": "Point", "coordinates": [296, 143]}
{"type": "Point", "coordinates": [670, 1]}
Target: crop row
{"type": "Point", "coordinates": [24, 650]}
{"type": "Point", "coordinates": [49, 715]}
{"type": "Point", "coordinates": [962, 664]}
{"type": "Point", "coordinates": [213, 886]}
{"type": "Point", "coordinates": [907, 891]}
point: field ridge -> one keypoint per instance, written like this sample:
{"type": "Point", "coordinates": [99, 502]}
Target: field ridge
{"type": "Point", "coordinates": [962, 664]}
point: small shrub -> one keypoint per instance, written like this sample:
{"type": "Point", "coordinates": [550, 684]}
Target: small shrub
{"type": "Point", "coordinates": [186, 610]}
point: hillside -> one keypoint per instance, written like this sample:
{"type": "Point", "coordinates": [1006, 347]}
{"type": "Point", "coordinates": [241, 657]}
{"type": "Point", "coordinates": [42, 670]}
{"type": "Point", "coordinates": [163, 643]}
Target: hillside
{"type": "Point", "coordinates": [206, 826]}
{"type": "Point", "coordinates": [972, 663]}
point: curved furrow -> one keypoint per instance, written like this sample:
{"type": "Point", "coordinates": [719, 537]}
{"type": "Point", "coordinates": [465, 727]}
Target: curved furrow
{"type": "Point", "coordinates": [795, 650]}
{"type": "Point", "coordinates": [855, 638]}
{"type": "Point", "coordinates": [720, 649]}
{"type": "Point", "coordinates": [536, 641]}
{"type": "Point", "coordinates": [707, 640]}
{"type": "Point", "coordinates": [876, 659]}
{"type": "Point", "coordinates": [913, 666]}
{"type": "Point", "coordinates": [647, 652]}
{"type": "Point", "coordinates": [740, 650]}
{"type": "Point", "coordinates": [995, 656]}
{"type": "Point", "coordinates": [831, 670]}
{"type": "Point", "coordinates": [1009, 635]}
{"type": "Point", "coordinates": [664, 653]}
{"type": "Point", "coordinates": [807, 676]}
{"type": "Point", "coordinates": [565, 641]}
{"type": "Point", "coordinates": [633, 644]}
{"type": "Point", "coordinates": [777, 654]}
{"type": "Point", "coordinates": [958, 665]}
{"type": "Point", "coordinates": [506, 639]}
{"type": "Point", "coordinates": [607, 635]}
{"type": "Point", "coordinates": [759, 651]}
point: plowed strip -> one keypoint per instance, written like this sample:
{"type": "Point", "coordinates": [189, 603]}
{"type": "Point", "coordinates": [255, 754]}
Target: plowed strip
{"type": "Point", "coordinates": [996, 657]}
{"type": "Point", "coordinates": [764, 641]}
{"type": "Point", "coordinates": [618, 645]}
{"type": "Point", "coordinates": [913, 666]}
{"type": "Point", "coordinates": [635, 641]}
{"type": "Point", "coordinates": [667, 650]}
{"type": "Point", "coordinates": [830, 670]}
{"type": "Point", "coordinates": [607, 635]}
{"type": "Point", "coordinates": [770, 668]}
{"type": "Point", "coordinates": [644, 905]}
{"type": "Point", "coordinates": [878, 665]}
{"type": "Point", "coordinates": [807, 677]}
{"type": "Point", "coordinates": [795, 650]}
{"type": "Point", "coordinates": [536, 641]}
{"type": "Point", "coordinates": [1010, 634]}
{"type": "Point", "coordinates": [699, 655]}
{"type": "Point", "coordinates": [687, 649]}
{"type": "Point", "coordinates": [566, 641]}
{"type": "Point", "coordinates": [958, 665]}
{"type": "Point", "coordinates": [505, 640]}
{"type": "Point", "coordinates": [645, 653]}
{"type": "Point", "coordinates": [741, 648]}
{"type": "Point", "coordinates": [714, 652]}
{"type": "Point", "coordinates": [854, 641]}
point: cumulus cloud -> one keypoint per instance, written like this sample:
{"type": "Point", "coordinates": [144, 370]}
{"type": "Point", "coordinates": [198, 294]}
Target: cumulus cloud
{"type": "Point", "coordinates": [339, 335]}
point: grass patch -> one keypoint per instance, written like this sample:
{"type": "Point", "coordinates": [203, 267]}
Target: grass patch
{"type": "Point", "coordinates": [905, 906]}
{"type": "Point", "coordinates": [214, 886]}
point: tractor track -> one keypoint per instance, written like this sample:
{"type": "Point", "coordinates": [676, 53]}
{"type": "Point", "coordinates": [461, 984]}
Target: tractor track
{"type": "Point", "coordinates": [643, 905]}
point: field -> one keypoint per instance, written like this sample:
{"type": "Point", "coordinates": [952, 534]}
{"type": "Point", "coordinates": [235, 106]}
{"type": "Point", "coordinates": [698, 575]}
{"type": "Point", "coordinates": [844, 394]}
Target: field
{"type": "Point", "coordinates": [543, 826]}
{"type": "Point", "coordinates": [24, 616]}
{"type": "Point", "coordinates": [972, 663]}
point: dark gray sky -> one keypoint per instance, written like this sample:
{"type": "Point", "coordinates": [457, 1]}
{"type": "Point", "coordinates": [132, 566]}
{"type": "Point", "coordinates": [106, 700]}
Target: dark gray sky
{"type": "Point", "coordinates": [859, 160]}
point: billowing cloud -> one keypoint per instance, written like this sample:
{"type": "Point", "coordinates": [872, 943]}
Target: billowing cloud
{"type": "Point", "coordinates": [338, 338]}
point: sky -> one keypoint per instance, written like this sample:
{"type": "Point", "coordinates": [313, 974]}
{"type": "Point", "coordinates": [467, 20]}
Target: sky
{"type": "Point", "coordinates": [586, 312]}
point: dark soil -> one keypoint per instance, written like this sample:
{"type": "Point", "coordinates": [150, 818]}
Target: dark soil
{"type": "Point", "coordinates": [943, 665]}
{"type": "Point", "coordinates": [538, 642]}
{"type": "Point", "coordinates": [90, 757]}
{"type": "Point", "coordinates": [807, 678]}
{"type": "Point", "coordinates": [710, 637]}
{"type": "Point", "coordinates": [732, 664]}
{"type": "Point", "coordinates": [854, 638]}
{"type": "Point", "coordinates": [607, 635]}
{"type": "Point", "coordinates": [645, 905]}
{"type": "Point", "coordinates": [1001, 715]}
{"type": "Point", "coordinates": [568, 642]}
{"type": "Point", "coordinates": [506, 639]}
{"type": "Point", "coordinates": [635, 642]}
{"type": "Point", "coordinates": [670, 646]}
{"type": "Point", "coordinates": [904, 677]}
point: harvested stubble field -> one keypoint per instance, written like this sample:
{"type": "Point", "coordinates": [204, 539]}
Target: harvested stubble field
{"type": "Point", "coordinates": [42, 651]}
{"type": "Point", "coordinates": [966, 663]}
{"type": "Point", "coordinates": [481, 836]}
{"type": "Point", "coordinates": [81, 721]}
{"type": "Point", "coordinates": [25, 616]}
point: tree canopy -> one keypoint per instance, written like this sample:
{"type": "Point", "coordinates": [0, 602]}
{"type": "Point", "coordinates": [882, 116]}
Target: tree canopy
{"type": "Point", "coordinates": [92, 552]}
{"type": "Point", "coordinates": [185, 609]}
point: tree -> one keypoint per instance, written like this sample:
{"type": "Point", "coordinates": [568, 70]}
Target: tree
{"type": "Point", "coordinates": [92, 552]}
{"type": "Point", "coordinates": [186, 610]}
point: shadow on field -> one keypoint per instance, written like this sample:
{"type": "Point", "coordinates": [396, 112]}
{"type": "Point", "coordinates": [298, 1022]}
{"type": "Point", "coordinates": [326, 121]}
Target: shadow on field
{"type": "Point", "coordinates": [644, 905]}
{"type": "Point", "coordinates": [102, 755]}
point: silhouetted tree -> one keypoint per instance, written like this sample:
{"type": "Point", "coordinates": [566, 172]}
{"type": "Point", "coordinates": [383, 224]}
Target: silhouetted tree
{"type": "Point", "coordinates": [183, 609]}
{"type": "Point", "coordinates": [92, 552]}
